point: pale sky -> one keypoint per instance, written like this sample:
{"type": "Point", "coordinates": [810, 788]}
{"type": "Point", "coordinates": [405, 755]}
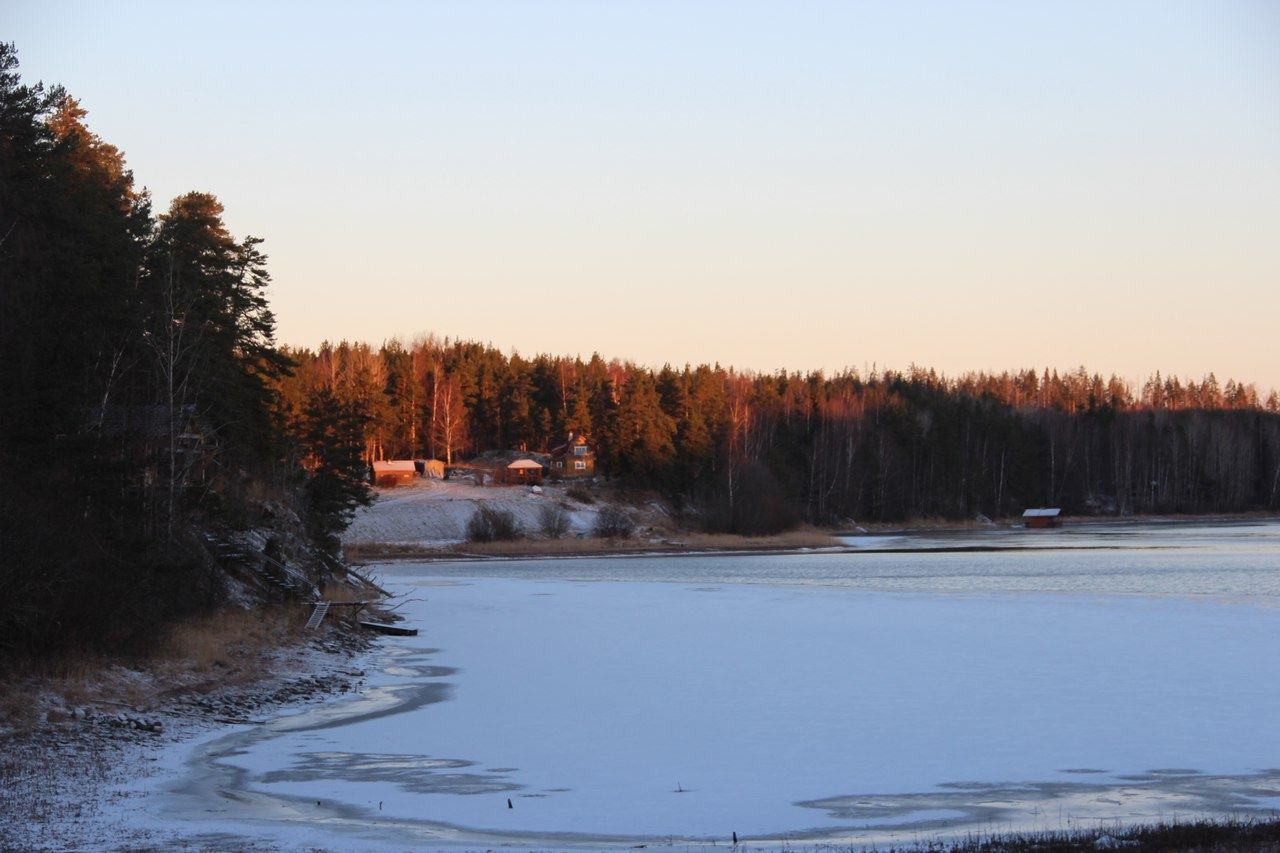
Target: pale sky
{"type": "Point", "coordinates": [770, 185]}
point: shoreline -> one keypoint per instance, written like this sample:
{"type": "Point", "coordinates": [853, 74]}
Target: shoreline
{"type": "Point", "coordinates": [924, 526]}
{"type": "Point", "coordinates": [108, 776]}
{"type": "Point", "coordinates": [107, 766]}
{"type": "Point", "coordinates": [812, 540]}
{"type": "Point", "coordinates": [567, 548]}
{"type": "Point", "coordinates": [71, 780]}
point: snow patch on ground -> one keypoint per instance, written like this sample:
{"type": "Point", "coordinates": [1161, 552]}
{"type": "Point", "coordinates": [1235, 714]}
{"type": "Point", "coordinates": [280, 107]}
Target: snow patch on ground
{"type": "Point", "coordinates": [434, 513]}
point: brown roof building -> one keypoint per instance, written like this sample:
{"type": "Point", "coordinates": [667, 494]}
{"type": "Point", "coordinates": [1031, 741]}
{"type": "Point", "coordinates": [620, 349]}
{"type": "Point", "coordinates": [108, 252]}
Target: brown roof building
{"type": "Point", "coordinates": [574, 458]}
{"type": "Point", "coordinates": [395, 472]}
{"type": "Point", "coordinates": [150, 433]}
{"type": "Point", "coordinates": [1043, 517]}
{"type": "Point", "coordinates": [523, 471]}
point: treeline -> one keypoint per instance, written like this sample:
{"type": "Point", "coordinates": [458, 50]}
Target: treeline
{"type": "Point", "coordinates": [137, 372]}
{"type": "Point", "coordinates": [146, 402]}
{"type": "Point", "coordinates": [752, 453]}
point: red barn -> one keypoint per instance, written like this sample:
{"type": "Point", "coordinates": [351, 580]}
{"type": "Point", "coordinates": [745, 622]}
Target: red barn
{"type": "Point", "coordinates": [397, 472]}
{"type": "Point", "coordinates": [1042, 517]}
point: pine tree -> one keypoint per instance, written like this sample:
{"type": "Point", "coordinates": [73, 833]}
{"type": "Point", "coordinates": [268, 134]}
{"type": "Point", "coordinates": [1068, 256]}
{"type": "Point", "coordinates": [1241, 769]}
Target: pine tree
{"type": "Point", "coordinates": [332, 440]}
{"type": "Point", "coordinates": [211, 332]}
{"type": "Point", "coordinates": [643, 433]}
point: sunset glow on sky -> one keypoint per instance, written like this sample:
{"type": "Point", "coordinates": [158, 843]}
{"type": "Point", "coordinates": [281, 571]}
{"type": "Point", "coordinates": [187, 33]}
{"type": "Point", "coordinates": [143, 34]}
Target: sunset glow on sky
{"type": "Point", "coordinates": [815, 185]}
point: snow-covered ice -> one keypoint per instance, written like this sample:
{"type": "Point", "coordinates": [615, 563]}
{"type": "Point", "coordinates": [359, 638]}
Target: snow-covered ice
{"type": "Point", "coordinates": [860, 696]}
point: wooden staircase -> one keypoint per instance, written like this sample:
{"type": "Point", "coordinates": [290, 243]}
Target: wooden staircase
{"type": "Point", "coordinates": [290, 581]}
{"type": "Point", "coordinates": [317, 615]}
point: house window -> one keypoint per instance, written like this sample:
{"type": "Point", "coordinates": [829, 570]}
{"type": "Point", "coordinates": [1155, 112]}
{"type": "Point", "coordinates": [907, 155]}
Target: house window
{"type": "Point", "coordinates": [579, 465]}
{"type": "Point", "coordinates": [580, 450]}
{"type": "Point", "coordinates": [559, 464]}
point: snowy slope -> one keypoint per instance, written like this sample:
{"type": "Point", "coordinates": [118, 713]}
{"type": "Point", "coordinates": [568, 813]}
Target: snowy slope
{"type": "Point", "coordinates": [435, 512]}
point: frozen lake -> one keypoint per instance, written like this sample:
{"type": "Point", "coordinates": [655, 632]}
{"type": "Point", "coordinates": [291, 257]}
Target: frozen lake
{"type": "Point", "coordinates": [980, 682]}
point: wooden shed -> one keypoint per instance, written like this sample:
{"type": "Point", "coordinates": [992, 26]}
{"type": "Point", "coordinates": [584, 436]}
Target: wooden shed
{"type": "Point", "coordinates": [523, 471]}
{"type": "Point", "coordinates": [394, 472]}
{"type": "Point", "coordinates": [1042, 517]}
{"type": "Point", "coordinates": [432, 469]}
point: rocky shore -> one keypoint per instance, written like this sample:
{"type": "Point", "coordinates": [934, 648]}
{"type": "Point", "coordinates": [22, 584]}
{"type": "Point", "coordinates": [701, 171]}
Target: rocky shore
{"type": "Point", "coordinates": [70, 779]}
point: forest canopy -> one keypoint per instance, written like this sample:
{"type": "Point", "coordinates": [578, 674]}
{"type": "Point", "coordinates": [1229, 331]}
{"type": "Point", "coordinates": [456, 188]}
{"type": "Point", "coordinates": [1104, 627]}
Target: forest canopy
{"type": "Point", "coordinates": [888, 445]}
{"type": "Point", "coordinates": [138, 368]}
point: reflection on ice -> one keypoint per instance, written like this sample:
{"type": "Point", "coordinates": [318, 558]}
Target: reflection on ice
{"type": "Point", "coordinates": [1147, 798]}
{"type": "Point", "coordinates": [417, 774]}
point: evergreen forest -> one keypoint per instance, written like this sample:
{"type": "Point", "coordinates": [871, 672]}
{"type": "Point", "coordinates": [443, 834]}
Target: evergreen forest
{"type": "Point", "coordinates": [753, 453]}
{"type": "Point", "coordinates": [138, 374]}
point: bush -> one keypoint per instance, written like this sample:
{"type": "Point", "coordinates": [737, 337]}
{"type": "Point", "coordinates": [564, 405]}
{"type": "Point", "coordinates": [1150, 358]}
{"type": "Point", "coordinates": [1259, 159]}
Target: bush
{"type": "Point", "coordinates": [492, 525]}
{"type": "Point", "coordinates": [553, 520]}
{"type": "Point", "coordinates": [580, 495]}
{"type": "Point", "coordinates": [613, 523]}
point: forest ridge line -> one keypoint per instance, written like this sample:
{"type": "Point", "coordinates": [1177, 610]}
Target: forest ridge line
{"type": "Point", "coordinates": [822, 448]}
{"type": "Point", "coordinates": [1033, 387]}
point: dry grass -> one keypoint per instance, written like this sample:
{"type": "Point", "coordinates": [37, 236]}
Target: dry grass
{"type": "Point", "coordinates": [675, 542]}
{"type": "Point", "coordinates": [343, 592]}
{"type": "Point", "coordinates": [227, 647]}
{"type": "Point", "coordinates": [552, 547]}
{"type": "Point", "coordinates": [924, 525]}
{"type": "Point", "coordinates": [17, 708]}
{"type": "Point", "coordinates": [231, 643]}
{"type": "Point", "coordinates": [372, 552]}
{"type": "Point", "coordinates": [808, 537]}
{"type": "Point", "coordinates": [28, 683]}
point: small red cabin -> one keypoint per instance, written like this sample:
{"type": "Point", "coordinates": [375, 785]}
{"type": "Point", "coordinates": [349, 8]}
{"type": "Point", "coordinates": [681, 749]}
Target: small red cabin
{"type": "Point", "coordinates": [1042, 517]}
{"type": "Point", "coordinates": [523, 471]}
{"type": "Point", "coordinates": [397, 472]}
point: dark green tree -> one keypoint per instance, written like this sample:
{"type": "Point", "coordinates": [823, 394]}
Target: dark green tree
{"type": "Point", "coordinates": [332, 443]}
{"type": "Point", "coordinates": [643, 433]}
{"type": "Point", "coordinates": [210, 331]}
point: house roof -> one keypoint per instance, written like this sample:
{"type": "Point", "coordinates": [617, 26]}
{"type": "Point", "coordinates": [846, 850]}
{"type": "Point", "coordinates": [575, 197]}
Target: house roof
{"type": "Point", "coordinates": [1043, 512]}
{"type": "Point", "coordinates": [574, 441]}
{"type": "Point", "coordinates": [394, 466]}
{"type": "Point", "coordinates": [524, 463]}
{"type": "Point", "coordinates": [145, 421]}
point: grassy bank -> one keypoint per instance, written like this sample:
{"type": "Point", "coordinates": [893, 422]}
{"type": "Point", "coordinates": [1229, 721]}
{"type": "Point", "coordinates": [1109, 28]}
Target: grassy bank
{"type": "Point", "coordinates": [222, 649]}
{"type": "Point", "coordinates": [1206, 836]}
{"type": "Point", "coordinates": [78, 733]}
{"type": "Point", "coordinates": [595, 546]}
